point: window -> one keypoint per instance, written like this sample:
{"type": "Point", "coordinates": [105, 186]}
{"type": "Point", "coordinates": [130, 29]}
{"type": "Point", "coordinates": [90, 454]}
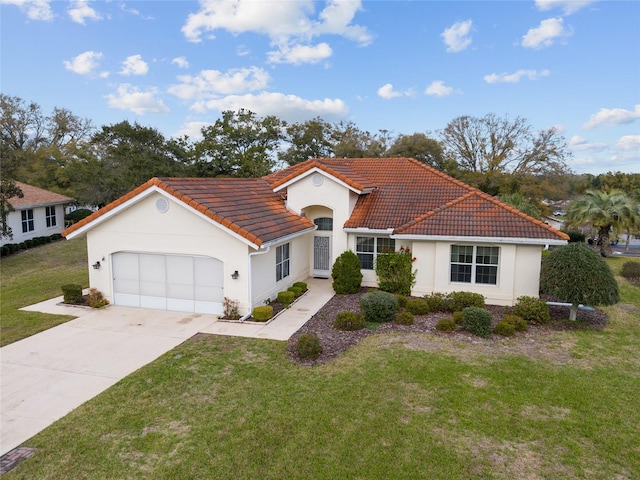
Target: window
{"type": "Point", "coordinates": [324, 223]}
{"type": "Point", "coordinates": [51, 216]}
{"type": "Point", "coordinates": [367, 248]}
{"type": "Point", "coordinates": [282, 261]}
{"type": "Point", "coordinates": [473, 264]}
{"type": "Point", "coordinates": [27, 221]}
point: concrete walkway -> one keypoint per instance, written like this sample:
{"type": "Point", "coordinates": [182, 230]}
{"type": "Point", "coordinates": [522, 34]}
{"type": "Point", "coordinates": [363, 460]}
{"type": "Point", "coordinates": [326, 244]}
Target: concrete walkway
{"type": "Point", "coordinates": [47, 375]}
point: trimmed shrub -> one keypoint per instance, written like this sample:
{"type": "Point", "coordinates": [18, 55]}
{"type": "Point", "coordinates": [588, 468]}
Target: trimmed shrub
{"type": "Point", "coordinates": [95, 299]}
{"type": "Point", "coordinates": [575, 236]}
{"type": "Point", "coordinates": [437, 302]}
{"type": "Point", "coordinates": [532, 310]}
{"type": "Point", "coordinates": [72, 293]}
{"type": "Point", "coordinates": [394, 271]}
{"type": "Point", "coordinates": [308, 346]}
{"type": "Point", "coordinates": [518, 323]}
{"type": "Point", "coordinates": [77, 215]}
{"type": "Point", "coordinates": [262, 313]}
{"type": "Point", "coordinates": [458, 301]}
{"type": "Point", "coordinates": [504, 328]}
{"type": "Point", "coordinates": [404, 318]}
{"type": "Point", "coordinates": [402, 301]}
{"type": "Point", "coordinates": [631, 271]}
{"type": "Point", "coordinates": [457, 317]}
{"type": "Point", "coordinates": [379, 306]}
{"type": "Point", "coordinates": [418, 306]}
{"type": "Point", "coordinates": [477, 321]}
{"type": "Point", "coordinates": [346, 274]}
{"type": "Point", "coordinates": [286, 297]}
{"type": "Point", "coordinates": [301, 285]}
{"type": "Point", "coordinates": [349, 321]}
{"type": "Point", "coordinates": [446, 325]}
{"type": "Point", "coordinates": [297, 291]}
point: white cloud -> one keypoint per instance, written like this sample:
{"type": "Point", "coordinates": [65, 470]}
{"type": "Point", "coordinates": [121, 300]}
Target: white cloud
{"type": "Point", "coordinates": [545, 34]}
{"type": "Point", "coordinates": [387, 92]}
{"type": "Point", "coordinates": [85, 64]}
{"type": "Point", "coordinates": [629, 142]}
{"type": "Point", "coordinates": [299, 54]}
{"type": "Point", "coordinates": [34, 9]}
{"type": "Point", "coordinates": [181, 62]}
{"type": "Point", "coordinates": [516, 76]}
{"type": "Point", "coordinates": [210, 83]}
{"type": "Point", "coordinates": [577, 143]}
{"type": "Point", "coordinates": [81, 11]}
{"type": "Point", "coordinates": [612, 116]}
{"type": "Point", "coordinates": [457, 37]}
{"type": "Point", "coordinates": [193, 130]}
{"type": "Point", "coordinates": [438, 88]}
{"type": "Point", "coordinates": [131, 98]}
{"type": "Point", "coordinates": [134, 65]}
{"type": "Point", "coordinates": [568, 6]}
{"type": "Point", "coordinates": [288, 107]}
{"type": "Point", "coordinates": [287, 24]}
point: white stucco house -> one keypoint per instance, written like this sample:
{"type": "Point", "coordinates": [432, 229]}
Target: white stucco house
{"type": "Point", "coordinates": [39, 213]}
{"type": "Point", "coordinates": [187, 243]}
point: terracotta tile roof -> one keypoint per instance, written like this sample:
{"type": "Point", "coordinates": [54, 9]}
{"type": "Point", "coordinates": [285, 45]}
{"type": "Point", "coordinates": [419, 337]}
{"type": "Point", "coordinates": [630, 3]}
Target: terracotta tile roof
{"type": "Point", "coordinates": [341, 170]}
{"type": "Point", "coordinates": [246, 206]}
{"type": "Point", "coordinates": [34, 197]}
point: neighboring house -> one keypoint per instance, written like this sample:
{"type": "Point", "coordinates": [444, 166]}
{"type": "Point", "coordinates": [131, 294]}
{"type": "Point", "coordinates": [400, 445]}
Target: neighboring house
{"type": "Point", "coordinates": [39, 213]}
{"type": "Point", "coordinates": [187, 243]}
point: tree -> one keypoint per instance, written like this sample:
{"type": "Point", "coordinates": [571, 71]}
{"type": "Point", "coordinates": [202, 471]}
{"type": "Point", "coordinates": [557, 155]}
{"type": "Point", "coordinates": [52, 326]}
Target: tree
{"type": "Point", "coordinates": [421, 147]}
{"type": "Point", "coordinates": [493, 146]}
{"type": "Point", "coordinates": [605, 211]}
{"type": "Point", "coordinates": [311, 139]}
{"type": "Point", "coordinates": [8, 189]}
{"type": "Point", "coordinates": [240, 144]}
{"type": "Point", "coordinates": [522, 203]}
{"type": "Point", "coordinates": [351, 142]}
{"type": "Point", "coordinates": [576, 274]}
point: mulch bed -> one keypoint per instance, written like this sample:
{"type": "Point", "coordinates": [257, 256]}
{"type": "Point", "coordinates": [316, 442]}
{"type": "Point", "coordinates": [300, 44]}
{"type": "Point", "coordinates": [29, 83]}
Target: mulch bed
{"type": "Point", "coordinates": [334, 342]}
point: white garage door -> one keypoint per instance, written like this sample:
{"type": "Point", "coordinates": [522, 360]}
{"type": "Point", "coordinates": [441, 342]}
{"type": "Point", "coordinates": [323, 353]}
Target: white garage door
{"type": "Point", "coordinates": [168, 282]}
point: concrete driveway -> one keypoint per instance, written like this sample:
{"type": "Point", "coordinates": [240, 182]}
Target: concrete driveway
{"type": "Point", "coordinates": [47, 375]}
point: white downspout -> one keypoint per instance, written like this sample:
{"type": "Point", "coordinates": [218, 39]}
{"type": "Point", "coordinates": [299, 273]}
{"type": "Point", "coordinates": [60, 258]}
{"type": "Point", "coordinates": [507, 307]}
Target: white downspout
{"type": "Point", "coordinates": [259, 252]}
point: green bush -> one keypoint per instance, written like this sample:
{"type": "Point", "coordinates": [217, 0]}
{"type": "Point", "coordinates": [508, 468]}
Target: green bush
{"type": "Point", "coordinates": [346, 274]}
{"type": "Point", "coordinates": [308, 346]}
{"type": "Point", "coordinates": [418, 306]}
{"type": "Point", "coordinates": [477, 321]}
{"type": "Point", "coordinates": [301, 285]}
{"type": "Point", "coordinates": [379, 306]}
{"type": "Point", "coordinates": [402, 301]}
{"type": "Point", "coordinates": [286, 297]}
{"type": "Point", "coordinates": [77, 215]}
{"type": "Point", "coordinates": [394, 271]}
{"type": "Point", "coordinates": [297, 291]}
{"type": "Point", "coordinates": [504, 328]}
{"type": "Point", "coordinates": [72, 293]}
{"type": "Point", "coordinates": [446, 325]}
{"type": "Point", "coordinates": [458, 301]}
{"type": "Point", "coordinates": [349, 321]}
{"type": "Point", "coordinates": [631, 271]}
{"type": "Point", "coordinates": [262, 313]}
{"type": "Point", "coordinates": [95, 299]}
{"type": "Point", "coordinates": [404, 318]}
{"type": "Point", "coordinates": [532, 310]}
{"type": "Point", "coordinates": [519, 323]}
{"type": "Point", "coordinates": [575, 236]}
{"type": "Point", "coordinates": [437, 302]}
{"type": "Point", "coordinates": [457, 317]}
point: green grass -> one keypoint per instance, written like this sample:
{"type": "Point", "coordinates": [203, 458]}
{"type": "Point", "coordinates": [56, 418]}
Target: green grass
{"type": "Point", "coordinates": [32, 276]}
{"type": "Point", "coordinates": [394, 406]}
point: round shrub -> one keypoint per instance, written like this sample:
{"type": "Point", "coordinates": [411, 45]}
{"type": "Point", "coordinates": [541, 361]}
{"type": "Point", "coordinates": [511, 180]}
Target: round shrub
{"type": "Point", "coordinates": [308, 346]}
{"type": "Point", "coordinates": [532, 310]}
{"type": "Point", "coordinates": [519, 323]}
{"type": "Point", "coordinates": [297, 291]}
{"type": "Point", "coordinates": [457, 317]}
{"type": "Point", "coordinates": [418, 306]}
{"type": "Point", "coordinates": [302, 286]}
{"type": "Point", "coordinates": [262, 313]}
{"type": "Point", "coordinates": [72, 293]}
{"type": "Point", "coordinates": [379, 306]}
{"type": "Point", "coordinates": [477, 321]}
{"type": "Point", "coordinates": [437, 302]}
{"type": "Point", "coordinates": [504, 328]}
{"type": "Point", "coordinates": [458, 301]}
{"type": "Point", "coordinates": [404, 318]}
{"type": "Point", "coordinates": [631, 271]}
{"type": "Point", "coordinates": [402, 301]}
{"type": "Point", "coordinates": [346, 274]}
{"type": "Point", "coordinates": [286, 297]}
{"type": "Point", "coordinates": [349, 321]}
{"type": "Point", "coordinates": [77, 215]}
{"type": "Point", "coordinates": [446, 325]}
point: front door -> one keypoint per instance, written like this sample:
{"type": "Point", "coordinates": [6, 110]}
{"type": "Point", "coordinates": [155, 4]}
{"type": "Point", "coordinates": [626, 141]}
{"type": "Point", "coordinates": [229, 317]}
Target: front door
{"type": "Point", "coordinates": [321, 256]}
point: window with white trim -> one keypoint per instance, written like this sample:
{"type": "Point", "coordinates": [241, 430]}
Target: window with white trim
{"type": "Point", "coordinates": [282, 261]}
{"type": "Point", "coordinates": [324, 224]}
{"type": "Point", "coordinates": [50, 215]}
{"type": "Point", "coordinates": [368, 248]}
{"type": "Point", "coordinates": [27, 221]}
{"type": "Point", "coordinates": [474, 264]}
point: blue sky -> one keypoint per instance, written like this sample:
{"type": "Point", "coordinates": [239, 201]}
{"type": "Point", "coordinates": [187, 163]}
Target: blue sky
{"type": "Point", "coordinates": [401, 66]}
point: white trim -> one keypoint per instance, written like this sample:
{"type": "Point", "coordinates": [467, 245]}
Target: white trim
{"type": "Point", "coordinates": [503, 240]}
{"type": "Point", "coordinates": [369, 231]}
{"type": "Point", "coordinates": [323, 173]}
{"type": "Point", "coordinates": [288, 237]}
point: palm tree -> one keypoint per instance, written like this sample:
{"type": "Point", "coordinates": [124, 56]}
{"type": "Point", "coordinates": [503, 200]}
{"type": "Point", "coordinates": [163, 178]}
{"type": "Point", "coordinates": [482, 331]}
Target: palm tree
{"type": "Point", "coordinates": [632, 223]}
{"type": "Point", "coordinates": [604, 210]}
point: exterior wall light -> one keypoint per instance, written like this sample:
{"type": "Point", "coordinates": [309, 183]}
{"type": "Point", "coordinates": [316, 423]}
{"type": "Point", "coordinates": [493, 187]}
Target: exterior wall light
{"type": "Point", "coordinates": [235, 275]}
{"type": "Point", "coordinates": [96, 266]}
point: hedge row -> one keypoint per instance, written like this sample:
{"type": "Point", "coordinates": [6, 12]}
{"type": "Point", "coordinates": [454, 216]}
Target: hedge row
{"type": "Point", "coordinates": [11, 248]}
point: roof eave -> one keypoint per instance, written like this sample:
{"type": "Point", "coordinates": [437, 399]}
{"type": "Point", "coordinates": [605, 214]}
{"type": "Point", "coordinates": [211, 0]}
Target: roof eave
{"type": "Point", "coordinates": [477, 239]}
{"type": "Point", "coordinates": [313, 170]}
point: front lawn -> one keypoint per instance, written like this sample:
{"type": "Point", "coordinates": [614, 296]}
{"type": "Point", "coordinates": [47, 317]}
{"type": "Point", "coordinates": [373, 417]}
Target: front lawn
{"type": "Point", "coordinates": [32, 276]}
